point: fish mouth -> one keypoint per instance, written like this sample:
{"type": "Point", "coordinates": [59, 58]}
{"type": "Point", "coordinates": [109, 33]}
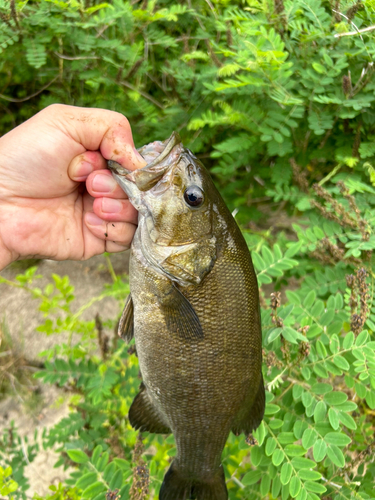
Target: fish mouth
{"type": "Point", "coordinates": [136, 182]}
{"type": "Point", "coordinates": [145, 178]}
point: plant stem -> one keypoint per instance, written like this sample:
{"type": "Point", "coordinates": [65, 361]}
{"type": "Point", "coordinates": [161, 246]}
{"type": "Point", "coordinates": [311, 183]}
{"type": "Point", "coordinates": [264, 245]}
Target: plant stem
{"type": "Point", "coordinates": [331, 174]}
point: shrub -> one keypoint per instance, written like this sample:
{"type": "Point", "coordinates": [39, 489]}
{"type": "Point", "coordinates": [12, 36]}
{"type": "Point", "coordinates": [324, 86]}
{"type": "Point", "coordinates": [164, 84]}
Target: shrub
{"type": "Point", "coordinates": [281, 110]}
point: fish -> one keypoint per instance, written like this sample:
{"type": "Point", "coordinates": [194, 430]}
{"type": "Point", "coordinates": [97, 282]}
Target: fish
{"type": "Point", "coordinates": [194, 313]}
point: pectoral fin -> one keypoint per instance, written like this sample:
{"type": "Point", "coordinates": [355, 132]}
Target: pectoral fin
{"type": "Point", "coordinates": [180, 316]}
{"type": "Point", "coordinates": [144, 416]}
{"type": "Point", "coordinates": [126, 325]}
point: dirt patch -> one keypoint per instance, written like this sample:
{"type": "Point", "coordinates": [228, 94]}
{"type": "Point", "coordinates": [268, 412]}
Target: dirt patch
{"type": "Point", "coordinates": [38, 406]}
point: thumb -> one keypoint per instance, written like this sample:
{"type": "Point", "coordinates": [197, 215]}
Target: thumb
{"type": "Point", "coordinates": [100, 129]}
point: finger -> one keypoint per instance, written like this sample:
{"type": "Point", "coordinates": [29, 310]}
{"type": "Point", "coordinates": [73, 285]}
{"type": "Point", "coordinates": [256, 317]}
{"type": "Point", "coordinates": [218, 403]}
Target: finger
{"type": "Point", "coordinates": [115, 210]}
{"type": "Point", "coordinates": [99, 129]}
{"type": "Point", "coordinates": [120, 233]}
{"type": "Point", "coordinates": [84, 164]}
{"type": "Point", "coordinates": [101, 183]}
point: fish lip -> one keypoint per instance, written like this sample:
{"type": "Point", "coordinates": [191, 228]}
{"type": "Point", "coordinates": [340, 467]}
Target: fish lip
{"type": "Point", "coordinates": [118, 169]}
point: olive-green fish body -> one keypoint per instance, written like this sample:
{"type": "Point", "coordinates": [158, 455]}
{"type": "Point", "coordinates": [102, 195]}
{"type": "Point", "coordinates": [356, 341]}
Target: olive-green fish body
{"type": "Point", "coordinates": [194, 311]}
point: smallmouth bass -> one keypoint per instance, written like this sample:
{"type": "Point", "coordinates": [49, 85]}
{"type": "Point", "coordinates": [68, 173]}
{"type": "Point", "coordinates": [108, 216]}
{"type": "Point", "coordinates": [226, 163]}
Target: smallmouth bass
{"type": "Point", "coordinates": [194, 312]}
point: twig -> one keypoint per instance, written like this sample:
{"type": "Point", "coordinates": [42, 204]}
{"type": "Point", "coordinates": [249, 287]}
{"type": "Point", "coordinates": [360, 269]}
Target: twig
{"type": "Point", "coordinates": [357, 32]}
{"type": "Point", "coordinates": [68, 58]}
{"type": "Point", "coordinates": [331, 174]}
{"type": "Point", "coordinates": [30, 96]}
{"type": "Point", "coordinates": [110, 267]}
{"type": "Point", "coordinates": [211, 7]}
{"type": "Point", "coordinates": [143, 94]}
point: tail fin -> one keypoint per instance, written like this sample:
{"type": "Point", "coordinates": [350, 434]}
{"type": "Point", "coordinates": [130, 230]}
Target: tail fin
{"type": "Point", "coordinates": [177, 487]}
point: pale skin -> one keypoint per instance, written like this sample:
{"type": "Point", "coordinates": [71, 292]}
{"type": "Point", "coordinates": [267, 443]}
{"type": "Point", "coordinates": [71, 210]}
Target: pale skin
{"type": "Point", "coordinates": [57, 199]}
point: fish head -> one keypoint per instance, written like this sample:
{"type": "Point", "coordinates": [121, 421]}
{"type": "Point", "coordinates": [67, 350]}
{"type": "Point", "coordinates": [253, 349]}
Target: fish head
{"type": "Point", "coordinates": [173, 196]}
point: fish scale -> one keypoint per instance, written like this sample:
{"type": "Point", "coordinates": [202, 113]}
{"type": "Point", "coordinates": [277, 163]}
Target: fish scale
{"type": "Point", "coordinates": [194, 312]}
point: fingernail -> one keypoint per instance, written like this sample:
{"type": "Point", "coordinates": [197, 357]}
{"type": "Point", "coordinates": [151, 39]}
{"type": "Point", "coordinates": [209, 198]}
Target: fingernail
{"type": "Point", "coordinates": [93, 219]}
{"type": "Point", "coordinates": [104, 183]}
{"type": "Point", "coordinates": [85, 168]}
{"type": "Point", "coordinates": [111, 206]}
{"type": "Point", "coordinates": [140, 157]}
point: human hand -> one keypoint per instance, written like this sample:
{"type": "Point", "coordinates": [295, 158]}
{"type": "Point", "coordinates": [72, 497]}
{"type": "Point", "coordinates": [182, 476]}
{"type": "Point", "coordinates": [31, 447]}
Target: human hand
{"type": "Point", "coordinates": [46, 210]}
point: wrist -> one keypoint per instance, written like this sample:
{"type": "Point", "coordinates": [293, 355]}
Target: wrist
{"type": "Point", "coordinates": [5, 256]}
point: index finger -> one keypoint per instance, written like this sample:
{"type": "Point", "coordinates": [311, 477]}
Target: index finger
{"type": "Point", "coordinates": [100, 129]}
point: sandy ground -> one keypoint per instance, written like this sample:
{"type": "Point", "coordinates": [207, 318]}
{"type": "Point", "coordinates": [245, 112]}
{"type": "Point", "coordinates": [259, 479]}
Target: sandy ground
{"type": "Point", "coordinates": [19, 314]}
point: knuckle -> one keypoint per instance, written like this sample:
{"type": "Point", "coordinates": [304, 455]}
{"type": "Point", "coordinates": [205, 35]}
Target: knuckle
{"type": "Point", "coordinates": [54, 108]}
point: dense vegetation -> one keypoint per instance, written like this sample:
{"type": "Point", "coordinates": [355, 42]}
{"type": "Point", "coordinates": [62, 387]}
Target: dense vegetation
{"type": "Point", "coordinates": [278, 100]}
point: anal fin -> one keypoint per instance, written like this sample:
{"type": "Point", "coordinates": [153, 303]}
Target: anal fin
{"type": "Point", "coordinates": [249, 419]}
{"type": "Point", "coordinates": [144, 416]}
{"type": "Point", "coordinates": [126, 325]}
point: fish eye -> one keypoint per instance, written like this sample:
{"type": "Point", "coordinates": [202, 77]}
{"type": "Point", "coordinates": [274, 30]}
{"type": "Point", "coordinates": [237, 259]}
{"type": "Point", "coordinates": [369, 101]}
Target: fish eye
{"type": "Point", "coordinates": [194, 196]}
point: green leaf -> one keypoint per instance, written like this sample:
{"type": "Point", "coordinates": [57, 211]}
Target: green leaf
{"type": "Point", "coordinates": [348, 341]}
{"type": "Point", "coordinates": [270, 446]}
{"type": "Point", "coordinates": [122, 464]}
{"type": "Point", "coordinates": [273, 335]}
{"type": "Point", "coordinates": [267, 256]}
{"type": "Point", "coordinates": [294, 486]}
{"type": "Point", "coordinates": [319, 450]}
{"type": "Point", "coordinates": [293, 249]}
{"type": "Point", "coordinates": [327, 317]}
{"type": "Point", "coordinates": [318, 68]}
{"type": "Point", "coordinates": [85, 480]}
{"type": "Point", "coordinates": [320, 411]}
{"type": "Point", "coordinates": [347, 420]}
{"type": "Point", "coordinates": [286, 473]}
{"type": "Point", "coordinates": [321, 388]}
{"type": "Point", "coordinates": [116, 481]}
{"type": "Point", "coordinates": [362, 338]}
{"type": "Point", "coordinates": [96, 454]}
{"type": "Point", "coordinates": [265, 485]}
{"type": "Point", "coordinates": [303, 463]}
{"type": "Point", "coordinates": [320, 349]}
{"type": "Point", "coordinates": [333, 417]}
{"type": "Point", "coordinates": [309, 475]}
{"type": "Point", "coordinates": [335, 398]}
{"type": "Point", "coordinates": [93, 490]}
{"type": "Point", "coordinates": [341, 362]}
{"type": "Point", "coordinates": [336, 456]}
{"type": "Point", "coordinates": [337, 438]}
{"type": "Point", "coordinates": [102, 462]}
{"type": "Point", "coordinates": [78, 456]}
{"type": "Point", "coordinates": [309, 438]}
{"type": "Point", "coordinates": [109, 471]}
{"type": "Point", "coordinates": [251, 477]}
{"type": "Point", "coordinates": [309, 299]}
{"type": "Point", "coordinates": [315, 487]}
{"type": "Point", "coordinates": [370, 399]}
{"type": "Point", "coordinates": [294, 450]}
{"type": "Point", "coordinates": [277, 457]}
{"type": "Point", "coordinates": [256, 455]}
{"type": "Point", "coordinates": [260, 433]}
{"type": "Point", "coordinates": [271, 409]}
{"type": "Point", "coordinates": [347, 406]}
{"type": "Point", "coordinates": [276, 486]}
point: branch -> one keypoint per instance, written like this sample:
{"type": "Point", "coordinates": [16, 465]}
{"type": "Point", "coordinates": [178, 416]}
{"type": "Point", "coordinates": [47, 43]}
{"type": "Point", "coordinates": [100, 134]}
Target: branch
{"type": "Point", "coordinates": [357, 32]}
{"type": "Point", "coordinates": [68, 58]}
{"type": "Point", "coordinates": [30, 96]}
{"type": "Point", "coordinates": [143, 94]}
